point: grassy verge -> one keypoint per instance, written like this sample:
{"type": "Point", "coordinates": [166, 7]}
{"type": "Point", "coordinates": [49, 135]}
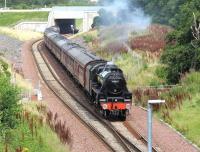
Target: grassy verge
{"type": "Point", "coordinates": [79, 24]}
{"type": "Point", "coordinates": [20, 34]}
{"type": "Point", "coordinates": [10, 18]}
{"type": "Point", "coordinates": [183, 107]}
{"type": "Point", "coordinates": [35, 130]}
{"type": "Point", "coordinates": [32, 134]}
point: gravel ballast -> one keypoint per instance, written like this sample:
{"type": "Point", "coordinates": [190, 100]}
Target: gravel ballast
{"type": "Point", "coordinates": [10, 48]}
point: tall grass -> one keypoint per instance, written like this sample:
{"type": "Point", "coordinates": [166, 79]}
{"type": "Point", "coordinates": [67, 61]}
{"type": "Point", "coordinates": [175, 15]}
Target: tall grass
{"type": "Point", "coordinates": [20, 34]}
{"type": "Point", "coordinates": [32, 133]}
{"type": "Point", "coordinates": [183, 107]}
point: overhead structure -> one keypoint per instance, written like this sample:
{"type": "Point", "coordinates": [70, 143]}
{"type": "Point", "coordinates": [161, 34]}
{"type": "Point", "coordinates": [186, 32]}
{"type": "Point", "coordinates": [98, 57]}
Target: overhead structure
{"type": "Point", "coordinates": [65, 17]}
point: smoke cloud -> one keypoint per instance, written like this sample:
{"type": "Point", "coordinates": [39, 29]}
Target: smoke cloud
{"type": "Point", "coordinates": [121, 21]}
{"type": "Point", "coordinates": [123, 12]}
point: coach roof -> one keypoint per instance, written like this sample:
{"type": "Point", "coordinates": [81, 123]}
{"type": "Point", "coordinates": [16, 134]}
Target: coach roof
{"type": "Point", "coordinates": [82, 56]}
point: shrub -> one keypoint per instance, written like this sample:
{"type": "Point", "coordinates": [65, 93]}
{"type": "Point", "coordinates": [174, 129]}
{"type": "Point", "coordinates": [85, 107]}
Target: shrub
{"type": "Point", "coordinates": [161, 72]}
{"type": "Point", "coordinates": [154, 41]}
{"type": "Point", "coordinates": [116, 47]}
{"type": "Point", "coordinates": [88, 38]}
{"type": "Point", "coordinates": [179, 60]}
{"type": "Point", "coordinates": [9, 107]}
{"type": "Point", "coordinates": [9, 97]}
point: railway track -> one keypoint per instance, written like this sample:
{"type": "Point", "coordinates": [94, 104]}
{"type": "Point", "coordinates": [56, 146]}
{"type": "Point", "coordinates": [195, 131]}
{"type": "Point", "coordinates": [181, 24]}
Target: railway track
{"type": "Point", "coordinates": [105, 130]}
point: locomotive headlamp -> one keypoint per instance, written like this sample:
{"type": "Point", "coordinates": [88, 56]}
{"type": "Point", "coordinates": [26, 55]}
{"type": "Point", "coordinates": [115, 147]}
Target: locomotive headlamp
{"type": "Point", "coordinates": [128, 106]}
{"type": "Point", "coordinates": [104, 106]}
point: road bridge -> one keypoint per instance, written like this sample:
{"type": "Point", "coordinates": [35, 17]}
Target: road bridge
{"type": "Point", "coordinates": [65, 17]}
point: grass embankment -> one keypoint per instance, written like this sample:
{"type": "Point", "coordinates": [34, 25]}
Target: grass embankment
{"type": "Point", "coordinates": [32, 134]}
{"type": "Point", "coordinates": [185, 118]}
{"type": "Point", "coordinates": [12, 18]}
{"type": "Point", "coordinates": [35, 130]}
{"type": "Point", "coordinates": [20, 34]}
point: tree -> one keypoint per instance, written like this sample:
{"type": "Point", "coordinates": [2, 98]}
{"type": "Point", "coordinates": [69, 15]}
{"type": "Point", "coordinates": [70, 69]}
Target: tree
{"type": "Point", "coordinates": [9, 98]}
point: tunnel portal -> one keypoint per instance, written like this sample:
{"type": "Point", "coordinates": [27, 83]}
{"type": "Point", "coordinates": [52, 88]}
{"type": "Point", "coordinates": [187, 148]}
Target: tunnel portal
{"type": "Point", "coordinates": [65, 25]}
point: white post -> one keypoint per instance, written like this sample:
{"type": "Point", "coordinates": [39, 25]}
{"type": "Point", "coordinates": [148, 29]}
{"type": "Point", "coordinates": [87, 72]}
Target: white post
{"type": "Point", "coordinates": [5, 4]}
{"type": "Point", "coordinates": [149, 121]}
{"type": "Point", "coordinates": [39, 92]}
{"type": "Point", "coordinates": [149, 127]}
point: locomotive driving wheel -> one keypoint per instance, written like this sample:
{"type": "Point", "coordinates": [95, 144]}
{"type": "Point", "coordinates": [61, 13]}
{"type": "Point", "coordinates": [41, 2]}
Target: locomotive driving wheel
{"type": "Point", "coordinates": [106, 114]}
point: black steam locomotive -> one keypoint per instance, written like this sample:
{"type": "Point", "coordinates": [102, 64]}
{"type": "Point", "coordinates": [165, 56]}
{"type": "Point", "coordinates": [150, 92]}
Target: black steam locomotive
{"type": "Point", "coordinates": [103, 81]}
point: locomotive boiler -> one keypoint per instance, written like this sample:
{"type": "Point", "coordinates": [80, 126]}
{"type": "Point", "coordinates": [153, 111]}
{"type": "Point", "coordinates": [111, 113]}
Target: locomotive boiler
{"type": "Point", "coordinates": [103, 81]}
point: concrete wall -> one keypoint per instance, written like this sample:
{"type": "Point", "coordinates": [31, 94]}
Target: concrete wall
{"type": "Point", "coordinates": [87, 14]}
{"type": "Point", "coordinates": [32, 26]}
{"type": "Point", "coordinates": [88, 20]}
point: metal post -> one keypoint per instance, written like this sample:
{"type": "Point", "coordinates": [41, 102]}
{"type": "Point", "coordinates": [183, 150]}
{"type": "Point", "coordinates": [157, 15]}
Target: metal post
{"type": "Point", "coordinates": [149, 127]}
{"type": "Point", "coordinates": [5, 4]}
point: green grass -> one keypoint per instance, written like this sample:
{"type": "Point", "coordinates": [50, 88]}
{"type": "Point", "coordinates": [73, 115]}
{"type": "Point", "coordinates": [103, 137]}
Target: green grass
{"type": "Point", "coordinates": [79, 24]}
{"type": "Point", "coordinates": [21, 35]}
{"type": "Point", "coordinates": [10, 18]}
{"type": "Point", "coordinates": [137, 71]}
{"type": "Point", "coordinates": [46, 140]}
{"type": "Point", "coordinates": [186, 119]}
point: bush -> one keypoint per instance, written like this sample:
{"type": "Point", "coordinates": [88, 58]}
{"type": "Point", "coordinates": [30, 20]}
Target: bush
{"type": "Point", "coordinates": [9, 107]}
{"type": "Point", "coordinates": [9, 97]}
{"type": "Point", "coordinates": [161, 72]}
{"type": "Point", "coordinates": [88, 38]}
{"type": "Point", "coordinates": [179, 60]}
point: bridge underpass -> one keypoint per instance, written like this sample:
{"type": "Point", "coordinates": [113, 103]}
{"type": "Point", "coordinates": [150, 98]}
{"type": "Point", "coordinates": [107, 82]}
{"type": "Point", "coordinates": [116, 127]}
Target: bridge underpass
{"type": "Point", "coordinates": [66, 18]}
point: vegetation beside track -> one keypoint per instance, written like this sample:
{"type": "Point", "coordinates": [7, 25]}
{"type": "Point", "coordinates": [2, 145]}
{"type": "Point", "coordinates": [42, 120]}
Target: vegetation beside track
{"type": "Point", "coordinates": [182, 110]}
{"type": "Point", "coordinates": [24, 4]}
{"type": "Point", "coordinates": [20, 34]}
{"type": "Point", "coordinates": [23, 123]}
{"type": "Point", "coordinates": [177, 62]}
{"type": "Point", "coordinates": [148, 71]}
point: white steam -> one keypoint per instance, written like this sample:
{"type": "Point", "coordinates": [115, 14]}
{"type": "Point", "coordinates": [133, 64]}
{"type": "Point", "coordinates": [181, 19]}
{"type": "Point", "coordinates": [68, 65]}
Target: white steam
{"type": "Point", "coordinates": [123, 14]}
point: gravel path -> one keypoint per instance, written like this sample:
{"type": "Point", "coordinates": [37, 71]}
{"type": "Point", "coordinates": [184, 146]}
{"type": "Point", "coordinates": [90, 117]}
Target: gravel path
{"type": "Point", "coordinates": [10, 48]}
{"type": "Point", "coordinates": [163, 136]}
{"type": "Point", "coordinates": [83, 140]}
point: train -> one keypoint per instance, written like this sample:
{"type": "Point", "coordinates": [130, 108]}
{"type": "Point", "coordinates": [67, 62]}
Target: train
{"type": "Point", "coordinates": [102, 80]}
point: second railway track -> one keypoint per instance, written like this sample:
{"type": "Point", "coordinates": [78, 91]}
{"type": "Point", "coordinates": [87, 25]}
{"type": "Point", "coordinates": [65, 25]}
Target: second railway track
{"type": "Point", "coordinates": [102, 128]}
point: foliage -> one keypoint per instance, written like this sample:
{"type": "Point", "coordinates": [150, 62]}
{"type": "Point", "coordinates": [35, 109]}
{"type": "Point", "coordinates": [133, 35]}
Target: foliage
{"type": "Point", "coordinates": [105, 18]}
{"type": "Point", "coordinates": [10, 18]}
{"type": "Point", "coordinates": [181, 109]}
{"type": "Point", "coordinates": [31, 4]}
{"type": "Point", "coordinates": [179, 55]}
{"type": "Point", "coordinates": [9, 97]}
{"type": "Point", "coordinates": [88, 38]}
{"type": "Point", "coordinates": [185, 117]}
{"type": "Point", "coordinates": [152, 42]}
{"type": "Point", "coordinates": [32, 133]}
{"type": "Point", "coordinates": [180, 59]}
{"type": "Point", "coordinates": [21, 35]}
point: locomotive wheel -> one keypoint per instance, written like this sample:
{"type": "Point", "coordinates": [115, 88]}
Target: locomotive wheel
{"type": "Point", "coordinates": [122, 115]}
{"type": "Point", "coordinates": [106, 114]}
{"type": "Point", "coordinates": [91, 102]}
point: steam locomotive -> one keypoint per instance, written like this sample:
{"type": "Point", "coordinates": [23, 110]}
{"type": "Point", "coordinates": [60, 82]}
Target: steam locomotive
{"type": "Point", "coordinates": [103, 81]}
